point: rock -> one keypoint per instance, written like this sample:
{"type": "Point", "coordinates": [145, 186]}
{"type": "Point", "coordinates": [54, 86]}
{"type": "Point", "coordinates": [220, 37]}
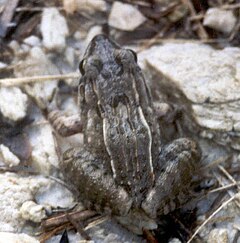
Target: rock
{"type": "Point", "coordinates": [44, 156]}
{"type": "Point", "coordinates": [37, 64]}
{"type": "Point", "coordinates": [13, 103]}
{"type": "Point", "coordinates": [72, 236]}
{"type": "Point", "coordinates": [209, 80]}
{"type": "Point", "coordinates": [218, 236]}
{"type": "Point", "coordinates": [14, 191]}
{"type": "Point", "coordinates": [220, 19]}
{"type": "Point", "coordinates": [54, 29]}
{"type": "Point", "coordinates": [8, 157]}
{"type": "Point", "coordinates": [125, 17]}
{"type": "Point", "coordinates": [56, 196]}
{"type": "Point", "coordinates": [16, 238]}
{"type": "Point", "coordinates": [3, 65]}
{"type": "Point", "coordinates": [14, 45]}
{"type": "Point", "coordinates": [95, 30]}
{"type": "Point", "coordinates": [25, 48]}
{"type": "Point", "coordinates": [32, 211]}
{"type": "Point", "coordinates": [79, 35]}
{"type": "Point", "coordinates": [87, 5]}
{"type": "Point", "coordinates": [18, 195]}
{"type": "Point", "coordinates": [32, 41]}
{"type": "Point", "coordinates": [174, 240]}
{"type": "Point", "coordinates": [178, 13]}
{"type": "Point", "coordinates": [69, 56]}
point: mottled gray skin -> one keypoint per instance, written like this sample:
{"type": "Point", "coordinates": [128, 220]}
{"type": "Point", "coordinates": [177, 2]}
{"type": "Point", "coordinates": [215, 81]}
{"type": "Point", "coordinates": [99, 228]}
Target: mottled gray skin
{"type": "Point", "coordinates": [123, 166]}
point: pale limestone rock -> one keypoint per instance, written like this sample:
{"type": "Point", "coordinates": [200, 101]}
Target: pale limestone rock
{"type": "Point", "coordinates": [54, 29]}
{"type": "Point", "coordinates": [16, 196]}
{"type": "Point", "coordinates": [175, 240]}
{"type": "Point", "coordinates": [79, 35]}
{"type": "Point", "coordinates": [202, 74]}
{"type": "Point", "coordinates": [69, 56]}
{"type": "Point", "coordinates": [37, 64]}
{"type": "Point", "coordinates": [32, 41]}
{"type": "Point", "coordinates": [32, 211]}
{"type": "Point", "coordinates": [204, 79]}
{"type": "Point", "coordinates": [14, 191]}
{"type": "Point", "coordinates": [220, 19]}
{"type": "Point", "coordinates": [8, 157]}
{"type": "Point", "coordinates": [44, 156]}
{"type": "Point", "coordinates": [6, 237]}
{"type": "Point", "coordinates": [56, 196]}
{"type": "Point", "coordinates": [13, 103]}
{"type": "Point", "coordinates": [125, 17]}
{"type": "Point", "coordinates": [3, 65]}
{"type": "Point", "coordinates": [218, 236]}
{"type": "Point", "coordinates": [14, 45]}
{"type": "Point", "coordinates": [84, 5]}
{"type": "Point", "coordinates": [95, 30]}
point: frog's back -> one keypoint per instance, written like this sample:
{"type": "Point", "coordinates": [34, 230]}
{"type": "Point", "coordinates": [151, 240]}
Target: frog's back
{"type": "Point", "coordinates": [122, 106]}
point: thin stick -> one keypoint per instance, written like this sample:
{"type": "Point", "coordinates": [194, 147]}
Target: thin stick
{"type": "Point", "coordinates": [216, 162]}
{"type": "Point", "coordinates": [228, 176]}
{"type": "Point", "coordinates": [36, 9]}
{"type": "Point", "coordinates": [223, 188]}
{"type": "Point", "coordinates": [230, 6]}
{"type": "Point", "coordinates": [99, 220]}
{"type": "Point", "coordinates": [210, 217]}
{"type": "Point", "coordinates": [79, 227]}
{"type": "Point", "coordinates": [63, 218]}
{"type": "Point", "coordinates": [236, 226]}
{"type": "Point", "coordinates": [200, 30]}
{"type": "Point", "coordinates": [230, 193]}
{"type": "Point", "coordinates": [45, 236]}
{"type": "Point", "coordinates": [7, 82]}
{"type": "Point", "coordinates": [7, 15]}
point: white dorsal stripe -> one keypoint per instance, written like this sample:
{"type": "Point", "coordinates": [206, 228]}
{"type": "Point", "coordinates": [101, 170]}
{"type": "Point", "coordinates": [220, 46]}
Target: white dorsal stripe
{"type": "Point", "coordinates": [143, 119]}
{"type": "Point", "coordinates": [109, 152]}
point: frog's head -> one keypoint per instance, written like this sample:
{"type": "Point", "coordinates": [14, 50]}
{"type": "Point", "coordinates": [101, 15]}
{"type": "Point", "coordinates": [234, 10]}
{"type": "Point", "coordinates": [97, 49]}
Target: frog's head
{"type": "Point", "coordinates": [108, 67]}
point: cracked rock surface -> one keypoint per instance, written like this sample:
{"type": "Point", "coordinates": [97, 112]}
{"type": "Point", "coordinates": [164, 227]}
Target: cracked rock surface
{"type": "Point", "coordinates": [209, 80]}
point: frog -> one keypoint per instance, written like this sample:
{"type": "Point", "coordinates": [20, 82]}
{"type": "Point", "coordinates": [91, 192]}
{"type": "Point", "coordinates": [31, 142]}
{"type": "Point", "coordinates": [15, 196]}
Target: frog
{"type": "Point", "coordinates": [123, 167]}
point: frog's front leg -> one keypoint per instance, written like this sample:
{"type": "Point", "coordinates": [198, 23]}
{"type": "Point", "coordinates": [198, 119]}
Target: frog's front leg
{"type": "Point", "coordinates": [87, 174]}
{"type": "Point", "coordinates": [177, 163]}
{"type": "Point", "coordinates": [65, 126]}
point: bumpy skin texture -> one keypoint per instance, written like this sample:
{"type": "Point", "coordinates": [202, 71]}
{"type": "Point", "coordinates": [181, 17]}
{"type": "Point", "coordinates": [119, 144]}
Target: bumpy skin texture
{"type": "Point", "coordinates": [123, 166]}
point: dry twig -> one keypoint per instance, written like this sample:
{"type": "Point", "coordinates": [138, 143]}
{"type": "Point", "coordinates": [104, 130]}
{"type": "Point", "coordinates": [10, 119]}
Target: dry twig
{"type": "Point", "coordinates": [78, 226]}
{"type": "Point", "coordinates": [230, 6]}
{"type": "Point", "coordinates": [210, 217]}
{"type": "Point", "coordinates": [230, 193]}
{"type": "Point", "coordinates": [48, 235]}
{"type": "Point", "coordinates": [200, 29]}
{"type": "Point", "coordinates": [224, 187]}
{"type": "Point", "coordinates": [7, 82]}
{"type": "Point", "coordinates": [7, 16]}
{"type": "Point", "coordinates": [63, 218]}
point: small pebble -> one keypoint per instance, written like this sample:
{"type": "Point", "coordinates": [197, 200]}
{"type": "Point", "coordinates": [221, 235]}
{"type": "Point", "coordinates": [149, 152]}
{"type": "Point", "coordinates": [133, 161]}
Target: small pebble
{"type": "Point", "coordinates": [8, 157]}
{"type": "Point", "coordinates": [54, 29]}
{"type": "Point", "coordinates": [219, 19]}
{"type": "Point", "coordinates": [32, 211]}
{"type": "Point", "coordinates": [125, 17]}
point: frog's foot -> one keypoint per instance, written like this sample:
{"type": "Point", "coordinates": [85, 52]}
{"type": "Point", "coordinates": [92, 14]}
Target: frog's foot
{"type": "Point", "coordinates": [136, 221]}
{"type": "Point", "coordinates": [180, 161]}
{"type": "Point", "coordinates": [65, 126]}
{"type": "Point", "coordinates": [94, 184]}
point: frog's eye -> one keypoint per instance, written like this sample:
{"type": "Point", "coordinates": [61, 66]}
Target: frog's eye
{"type": "Point", "coordinates": [97, 64]}
{"type": "Point", "coordinates": [134, 54]}
{"type": "Point", "coordinates": [81, 66]}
